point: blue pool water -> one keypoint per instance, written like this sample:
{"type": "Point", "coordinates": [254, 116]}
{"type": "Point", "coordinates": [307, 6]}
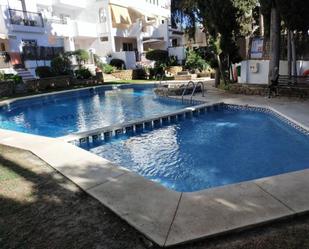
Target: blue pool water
{"type": "Point", "coordinates": [218, 148]}
{"type": "Point", "coordinates": [61, 114]}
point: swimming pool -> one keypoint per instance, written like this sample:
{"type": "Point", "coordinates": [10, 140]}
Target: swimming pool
{"type": "Point", "coordinates": [224, 146]}
{"type": "Point", "coordinates": [60, 114]}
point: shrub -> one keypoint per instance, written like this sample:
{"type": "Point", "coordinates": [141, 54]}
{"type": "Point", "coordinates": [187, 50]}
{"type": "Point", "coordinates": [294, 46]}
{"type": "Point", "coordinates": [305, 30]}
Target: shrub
{"type": "Point", "coordinates": [61, 65]}
{"type": "Point", "coordinates": [17, 79]}
{"type": "Point", "coordinates": [44, 72]}
{"type": "Point", "coordinates": [173, 61]}
{"type": "Point", "coordinates": [14, 77]}
{"type": "Point", "coordinates": [118, 63]}
{"type": "Point", "coordinates": [157, 56]}
{"type": "Point", "coordinates": [83, 73]}
{"type": "Point", "coordinates": [139, 74]}
{"type": "Point", "coordinates": [82, 56]}
{"type": "Point", "coordinates": [195, 61]}
{"type": "Point", "coordinates": [106, 68]}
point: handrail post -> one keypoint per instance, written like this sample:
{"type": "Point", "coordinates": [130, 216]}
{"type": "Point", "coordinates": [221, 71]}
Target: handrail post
{"type": "Point", "coordinates": [185, 90]}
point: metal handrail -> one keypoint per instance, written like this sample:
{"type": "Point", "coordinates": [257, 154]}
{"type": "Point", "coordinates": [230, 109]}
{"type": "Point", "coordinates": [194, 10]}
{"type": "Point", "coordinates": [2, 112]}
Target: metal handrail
{"type": "Point", "coordinates": [186, 88]}
{"type": "Point", "coordinates": [194, 90]}
{"type": "Point", "coordinates": [26, 18]}
{"type": "Point", "coordinates": [159, 78]}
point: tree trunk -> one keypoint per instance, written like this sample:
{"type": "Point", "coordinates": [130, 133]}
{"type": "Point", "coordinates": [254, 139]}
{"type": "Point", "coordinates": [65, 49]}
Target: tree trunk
{"type": "Point", "coordinates": [217, 77]}
{"type": "Point", "coordinates": [221, 69]}
{"type": "Point", "coordinates": [294, 63]}
{"type": "Point", "coordinates": [262, 26]}
{"type": "Point", "coordinates": [275, 29]}
{"type": "Point", "coordinates": [289, 54]}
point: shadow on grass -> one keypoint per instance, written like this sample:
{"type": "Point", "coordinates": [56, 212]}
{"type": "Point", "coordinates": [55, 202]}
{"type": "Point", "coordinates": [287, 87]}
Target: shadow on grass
{"type": "Point", "coordinates": [39, 208]}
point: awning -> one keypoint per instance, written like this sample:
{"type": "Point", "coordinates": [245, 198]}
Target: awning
{"type": "Point", "coordinates": [3, 36]}
{"type": "Point", "coordinates": [153, 41]}
{"type": "Point", "coordinates": [121, 15]}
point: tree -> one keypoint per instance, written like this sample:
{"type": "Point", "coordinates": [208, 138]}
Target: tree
{"type": "Point", "coordinates": [222, 22]}
{"type": "Point", "coordinates": [275, 37]}
{"type": "Point", "coordinates": [294, 14]}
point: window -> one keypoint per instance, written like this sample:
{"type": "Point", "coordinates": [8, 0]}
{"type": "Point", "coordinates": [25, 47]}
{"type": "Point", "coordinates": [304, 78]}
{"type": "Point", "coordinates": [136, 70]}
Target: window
{"type": "Point", "coordinates": [64, 18]}
{"type": "Point", "coordinates": [127, 47]}
{"type": "Point", "coordinates": [102, 15]}
{"type": "Point", "coordinates": [174, 42]}
{"type": "Point", "coordinates": [104, 39]}
{"type": "Point", "coordinates": [2, 47]}
{"type": "Point", "coordinates": [29, 43]}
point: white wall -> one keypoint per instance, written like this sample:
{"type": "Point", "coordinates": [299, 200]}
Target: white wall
{"type": "Point", "coordinates": [180, 52]}
{"type": "Point", "coordinates": [128, 57]}
{"type": "Point", "coordinates": [261, 77]}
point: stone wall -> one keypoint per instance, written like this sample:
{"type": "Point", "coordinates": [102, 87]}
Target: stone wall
{"type": "Point", "coordinates": [48, 83]}
{"type": "Point", "coordinates": [7, 88]}
{"type": "Point", "coordinates": [130, 74]}
{"type": "Point", "coordinates": [260, 90]}
{"type": "Point", "coordinates": [174, 70]}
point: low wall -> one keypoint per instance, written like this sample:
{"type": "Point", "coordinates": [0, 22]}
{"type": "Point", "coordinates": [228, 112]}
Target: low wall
{"type": "Point", "coordinates": [48, 83]}
{"type": "Point", "coordinates": [247, 89]}
{"type": "Point", "coordinates": [256, 71]}
{"type": "Point", "coordinates": [174, 70]}
{"type": "Point", "coordinates": [130, 74]}
{"type": "Point", "coordinates": [7, 88]}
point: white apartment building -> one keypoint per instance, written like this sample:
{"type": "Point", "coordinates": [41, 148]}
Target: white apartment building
{"type": "Point", "coordinates": [33, 31]}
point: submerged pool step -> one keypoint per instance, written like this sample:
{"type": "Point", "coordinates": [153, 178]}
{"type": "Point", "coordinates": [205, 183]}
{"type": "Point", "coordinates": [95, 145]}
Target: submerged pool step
{"type": "Point", "coordinates": [140, 126]}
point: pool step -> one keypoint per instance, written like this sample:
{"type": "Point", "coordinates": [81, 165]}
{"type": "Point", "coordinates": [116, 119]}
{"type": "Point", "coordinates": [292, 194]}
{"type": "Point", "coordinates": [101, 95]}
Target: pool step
{"type": "Point", "coordinates": [140, 126]}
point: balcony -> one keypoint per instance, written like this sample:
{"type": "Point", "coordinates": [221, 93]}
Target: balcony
{"type": "Point", "coordinates": [86, 29]}
{"type": "Point", "coordinates": [61, 27]}
{"type": "Point", "coordinates": [25, 21]}
{"type": "Point", "coordinates": [71, 4]}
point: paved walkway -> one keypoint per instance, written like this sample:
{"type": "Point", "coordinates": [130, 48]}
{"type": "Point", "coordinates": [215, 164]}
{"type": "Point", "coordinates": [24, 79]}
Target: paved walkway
{"type": "Point", "coordinates": [297, 109]}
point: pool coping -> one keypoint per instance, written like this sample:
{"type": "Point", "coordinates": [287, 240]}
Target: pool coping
{"type": "Point", "coordinates": [165, 216]}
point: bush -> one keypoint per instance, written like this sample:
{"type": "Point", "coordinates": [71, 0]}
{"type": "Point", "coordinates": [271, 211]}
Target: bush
{"type": "Point", "coordinates": [108, 69]}
{"type": "Point", "coordinates": [118, 63]}
{"type": "Point", "coordinates": [61, 65]}
{"type": "Point", "coordinates": [195, 61]}
{"type": "Point", "coordinates": [157, 56]}
{"type": "Point", "coordinates": [14, 77]}
{"type": "Point", "coordinates": [83, 73]}
{"type": "Point", "coordinates": [17, 79]}
{"type": "Point", "coordinates": [44, 72]}
{"type": "Point", "coordinates": [139, 74]}
{"type": "Point", "coordinates": [173, 61]}
{"type": "Point", "coordinates": [81, 56]}
{"type": "Point", "coordinates": [156, 72]}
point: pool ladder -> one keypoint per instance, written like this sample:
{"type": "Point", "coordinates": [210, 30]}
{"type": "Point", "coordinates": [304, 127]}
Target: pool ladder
{"type": "Point", "coordinates": [194, 86]}
{"type": "Point", "coordinates": [160, 78]}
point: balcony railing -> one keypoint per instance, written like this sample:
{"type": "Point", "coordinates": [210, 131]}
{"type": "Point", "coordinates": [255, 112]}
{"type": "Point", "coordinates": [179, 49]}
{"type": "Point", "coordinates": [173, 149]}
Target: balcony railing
{"type": "Point", "coordinates": [26, 18]}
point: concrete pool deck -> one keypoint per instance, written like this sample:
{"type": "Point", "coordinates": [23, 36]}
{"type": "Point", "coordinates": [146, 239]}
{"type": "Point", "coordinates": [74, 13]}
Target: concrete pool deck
{"type": "Point", "coordinates": [168, 217]}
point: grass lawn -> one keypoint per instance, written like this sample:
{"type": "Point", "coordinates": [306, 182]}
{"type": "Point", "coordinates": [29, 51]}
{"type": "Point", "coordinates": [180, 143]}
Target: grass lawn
{"type": "Point", "coordinates": [39, 208]}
